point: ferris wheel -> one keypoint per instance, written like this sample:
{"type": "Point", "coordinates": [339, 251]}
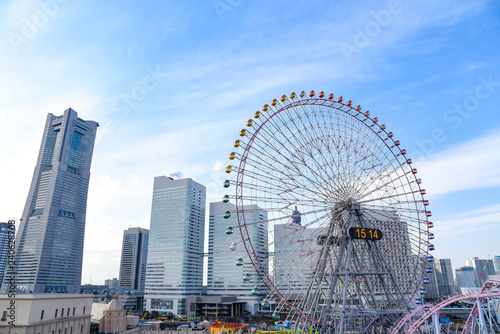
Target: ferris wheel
{"type": "Point", "coordinates": [348, 231]}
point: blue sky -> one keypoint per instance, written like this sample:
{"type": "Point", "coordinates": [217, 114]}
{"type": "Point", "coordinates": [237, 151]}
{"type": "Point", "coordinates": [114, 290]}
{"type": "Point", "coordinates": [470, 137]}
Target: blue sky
{"type": "Point", "coordinates": [172, 83]}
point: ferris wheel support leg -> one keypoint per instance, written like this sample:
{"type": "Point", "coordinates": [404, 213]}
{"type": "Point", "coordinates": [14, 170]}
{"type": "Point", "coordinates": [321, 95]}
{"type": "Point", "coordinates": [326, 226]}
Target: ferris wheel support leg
{"type": "Point", "coordinates": [335, 279]}
{"type": "Point", "coordinates": [346, 280]}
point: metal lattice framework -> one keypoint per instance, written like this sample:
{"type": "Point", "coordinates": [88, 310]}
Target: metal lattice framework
{"type": "Point", "coordinates": [322, 169]}
{"type": "Point", "coordinates": [483, 318]}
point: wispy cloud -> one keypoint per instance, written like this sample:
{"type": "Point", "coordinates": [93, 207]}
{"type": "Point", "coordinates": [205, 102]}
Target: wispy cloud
{"type": "Point", "coordinates": [466, 166]}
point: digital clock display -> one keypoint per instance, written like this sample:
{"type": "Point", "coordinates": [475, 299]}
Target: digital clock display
{"type": "Point", "coordinates": [364, 233]}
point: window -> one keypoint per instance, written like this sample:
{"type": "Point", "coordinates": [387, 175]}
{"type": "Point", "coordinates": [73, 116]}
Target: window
{"type": "Point", "coordinates": [71, 330]}
{"type": "Point", "coordinates": [74, 310]}
{"type": "Point", "coordinates": [65, 331]}
{"type": "Point", "coordinates": [62, 312]}
{"type": "Point", "coordinates": [4, 316]}
{"type": "Point", "coordinates": [55, 316]}
{"type": "Point", "coordinates": [84, 310]}
{"type": "Point", "coordinates": [81, 329]}
{"type": "Point", "coordinates": [67, 314]}
{"type": "Point", "coordinates": [41, 315]}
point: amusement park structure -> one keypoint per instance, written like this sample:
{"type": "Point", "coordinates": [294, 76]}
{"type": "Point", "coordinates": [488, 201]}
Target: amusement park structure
{"type": "Point", "coordinates": [348, 222]}
{"type": "Point", "coordinates": [483, 318]}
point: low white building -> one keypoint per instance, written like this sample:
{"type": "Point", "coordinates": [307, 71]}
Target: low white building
{"type": "Point", "coordinates": [49, 313]}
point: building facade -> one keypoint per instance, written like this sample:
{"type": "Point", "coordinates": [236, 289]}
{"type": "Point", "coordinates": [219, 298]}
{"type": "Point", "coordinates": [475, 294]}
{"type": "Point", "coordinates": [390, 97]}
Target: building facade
{"type": "Point", "coordinates": [47, 313]}
{"type": "Point", "coordinates": [466, 277]}
{"type": "Point", "coordinates": [496, 264]}
{"type": "Point", "coordinates": [112, 283]}
{"type": "Point", "coordinates": [432, 286]}
{"type": "Point", "coordinates": [483, 269]}
{"type": "Point", "coordinates": [49, 243]}
{"type": "Point", "coordinates": [224, 277]}
{"type": "Point", "coordinates": [174, 268]}
{"type": "Point", "coordinates": [134, 258]}
{"type": "Point", "coordinates": [4, 248]}
{"type": "Point", "coordinates": [444, 276]}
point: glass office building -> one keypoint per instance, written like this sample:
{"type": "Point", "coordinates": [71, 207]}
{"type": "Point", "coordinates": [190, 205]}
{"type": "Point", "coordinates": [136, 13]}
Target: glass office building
{"type": "Point", "coordinates": [49, 243]}
{"type": "Point", "coordinates": [174, 268]}
{"type": "Point", "coordinates": [225, 278]}
{"type": "Point", "coordinates": [134, 258]}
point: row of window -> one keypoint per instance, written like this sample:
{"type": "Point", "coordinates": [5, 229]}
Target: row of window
{"type": "Point", "coordinates": [62, 312]}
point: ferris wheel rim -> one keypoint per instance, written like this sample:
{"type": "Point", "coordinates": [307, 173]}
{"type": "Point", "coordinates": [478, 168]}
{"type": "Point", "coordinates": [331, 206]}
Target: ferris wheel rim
{"type": "Point", "coordinates": [240, 198]}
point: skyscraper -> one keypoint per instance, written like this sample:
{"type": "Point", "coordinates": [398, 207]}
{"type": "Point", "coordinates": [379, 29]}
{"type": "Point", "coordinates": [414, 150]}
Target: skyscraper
{"type": "Point", "coordinates": [496, 264]}
{"type": "Point", "coordinates": [483, 268]}
{"type": "Point", "coordinates": [444, 275]}
{"type": "Point", "coordinates": [466, 277]}
{"type": "Point", "coordinates": [49, 245]}
{"type": "Point", "coordinates": [4, 248]}
{"type": "Point", "coordinates": [432, 286]}
{"type": "Point", "coordinates": [225, 278]}
{"type": "Point", "coordinates": [175, 255]}
{"type": "Point", "coordinates": [134, 258]}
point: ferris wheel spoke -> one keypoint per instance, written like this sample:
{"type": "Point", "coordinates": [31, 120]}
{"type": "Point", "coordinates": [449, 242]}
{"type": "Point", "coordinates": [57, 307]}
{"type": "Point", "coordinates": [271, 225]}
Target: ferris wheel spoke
{"type": "Point", "coordinates": [298, 159]}
{"type": "Point", "coordinates": [314, 139]}
{"type": "Point", "coordinates": [296, 162]}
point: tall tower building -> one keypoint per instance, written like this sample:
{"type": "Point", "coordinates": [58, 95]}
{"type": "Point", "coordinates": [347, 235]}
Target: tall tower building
{"type": "Point", "coordinates": [134, 258]}
{"type": "Point", "coordinates": [4, 248]}
{"type": "Point", "coordinates": [444, 275]}
{"type": "Point", "coordinates": [225, 277]}
{"type": "Point", "coordinates": [49, 244]}
{"type": "Point", "coordinates": [175, 255]}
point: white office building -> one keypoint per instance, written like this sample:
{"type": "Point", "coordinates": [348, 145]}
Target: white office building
{"type": "Point", "coordinates": [225, 278]}
{"type": "Point", "coordinates": [174, 268]}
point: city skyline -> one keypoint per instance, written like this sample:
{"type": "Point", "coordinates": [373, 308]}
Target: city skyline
{"type": "Point", "coordinates": [172, 84]}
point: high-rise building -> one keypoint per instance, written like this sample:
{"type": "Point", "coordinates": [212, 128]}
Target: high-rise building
{"type": "Point", "coordinates": [134, 258]}
{"type": "Point", "coordinates": [444, 275]}
{"type": "Point", "coordinates": [496, 264]}
{"type": "Point", "coordinates": [4, 249]}
{"type": "Point", "coordinates": [174, 268]}
{"type": "Point", "coordinates": [431, 287]}
{"type": "Point", "coordinates": [225, 277]}
{"type": "Point", "coordinates": [112, 283]}
{"type": "Point", "coordinates": [483, 268]}
{"type": "Point", "coordinates": [49, 244]}
{"type": "Point", "coordinates": [466, 277]}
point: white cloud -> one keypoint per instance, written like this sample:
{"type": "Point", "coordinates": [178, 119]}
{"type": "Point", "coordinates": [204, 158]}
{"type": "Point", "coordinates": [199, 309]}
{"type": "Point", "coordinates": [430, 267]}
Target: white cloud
{"type": "Point", "coordinates": [470, 165]}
